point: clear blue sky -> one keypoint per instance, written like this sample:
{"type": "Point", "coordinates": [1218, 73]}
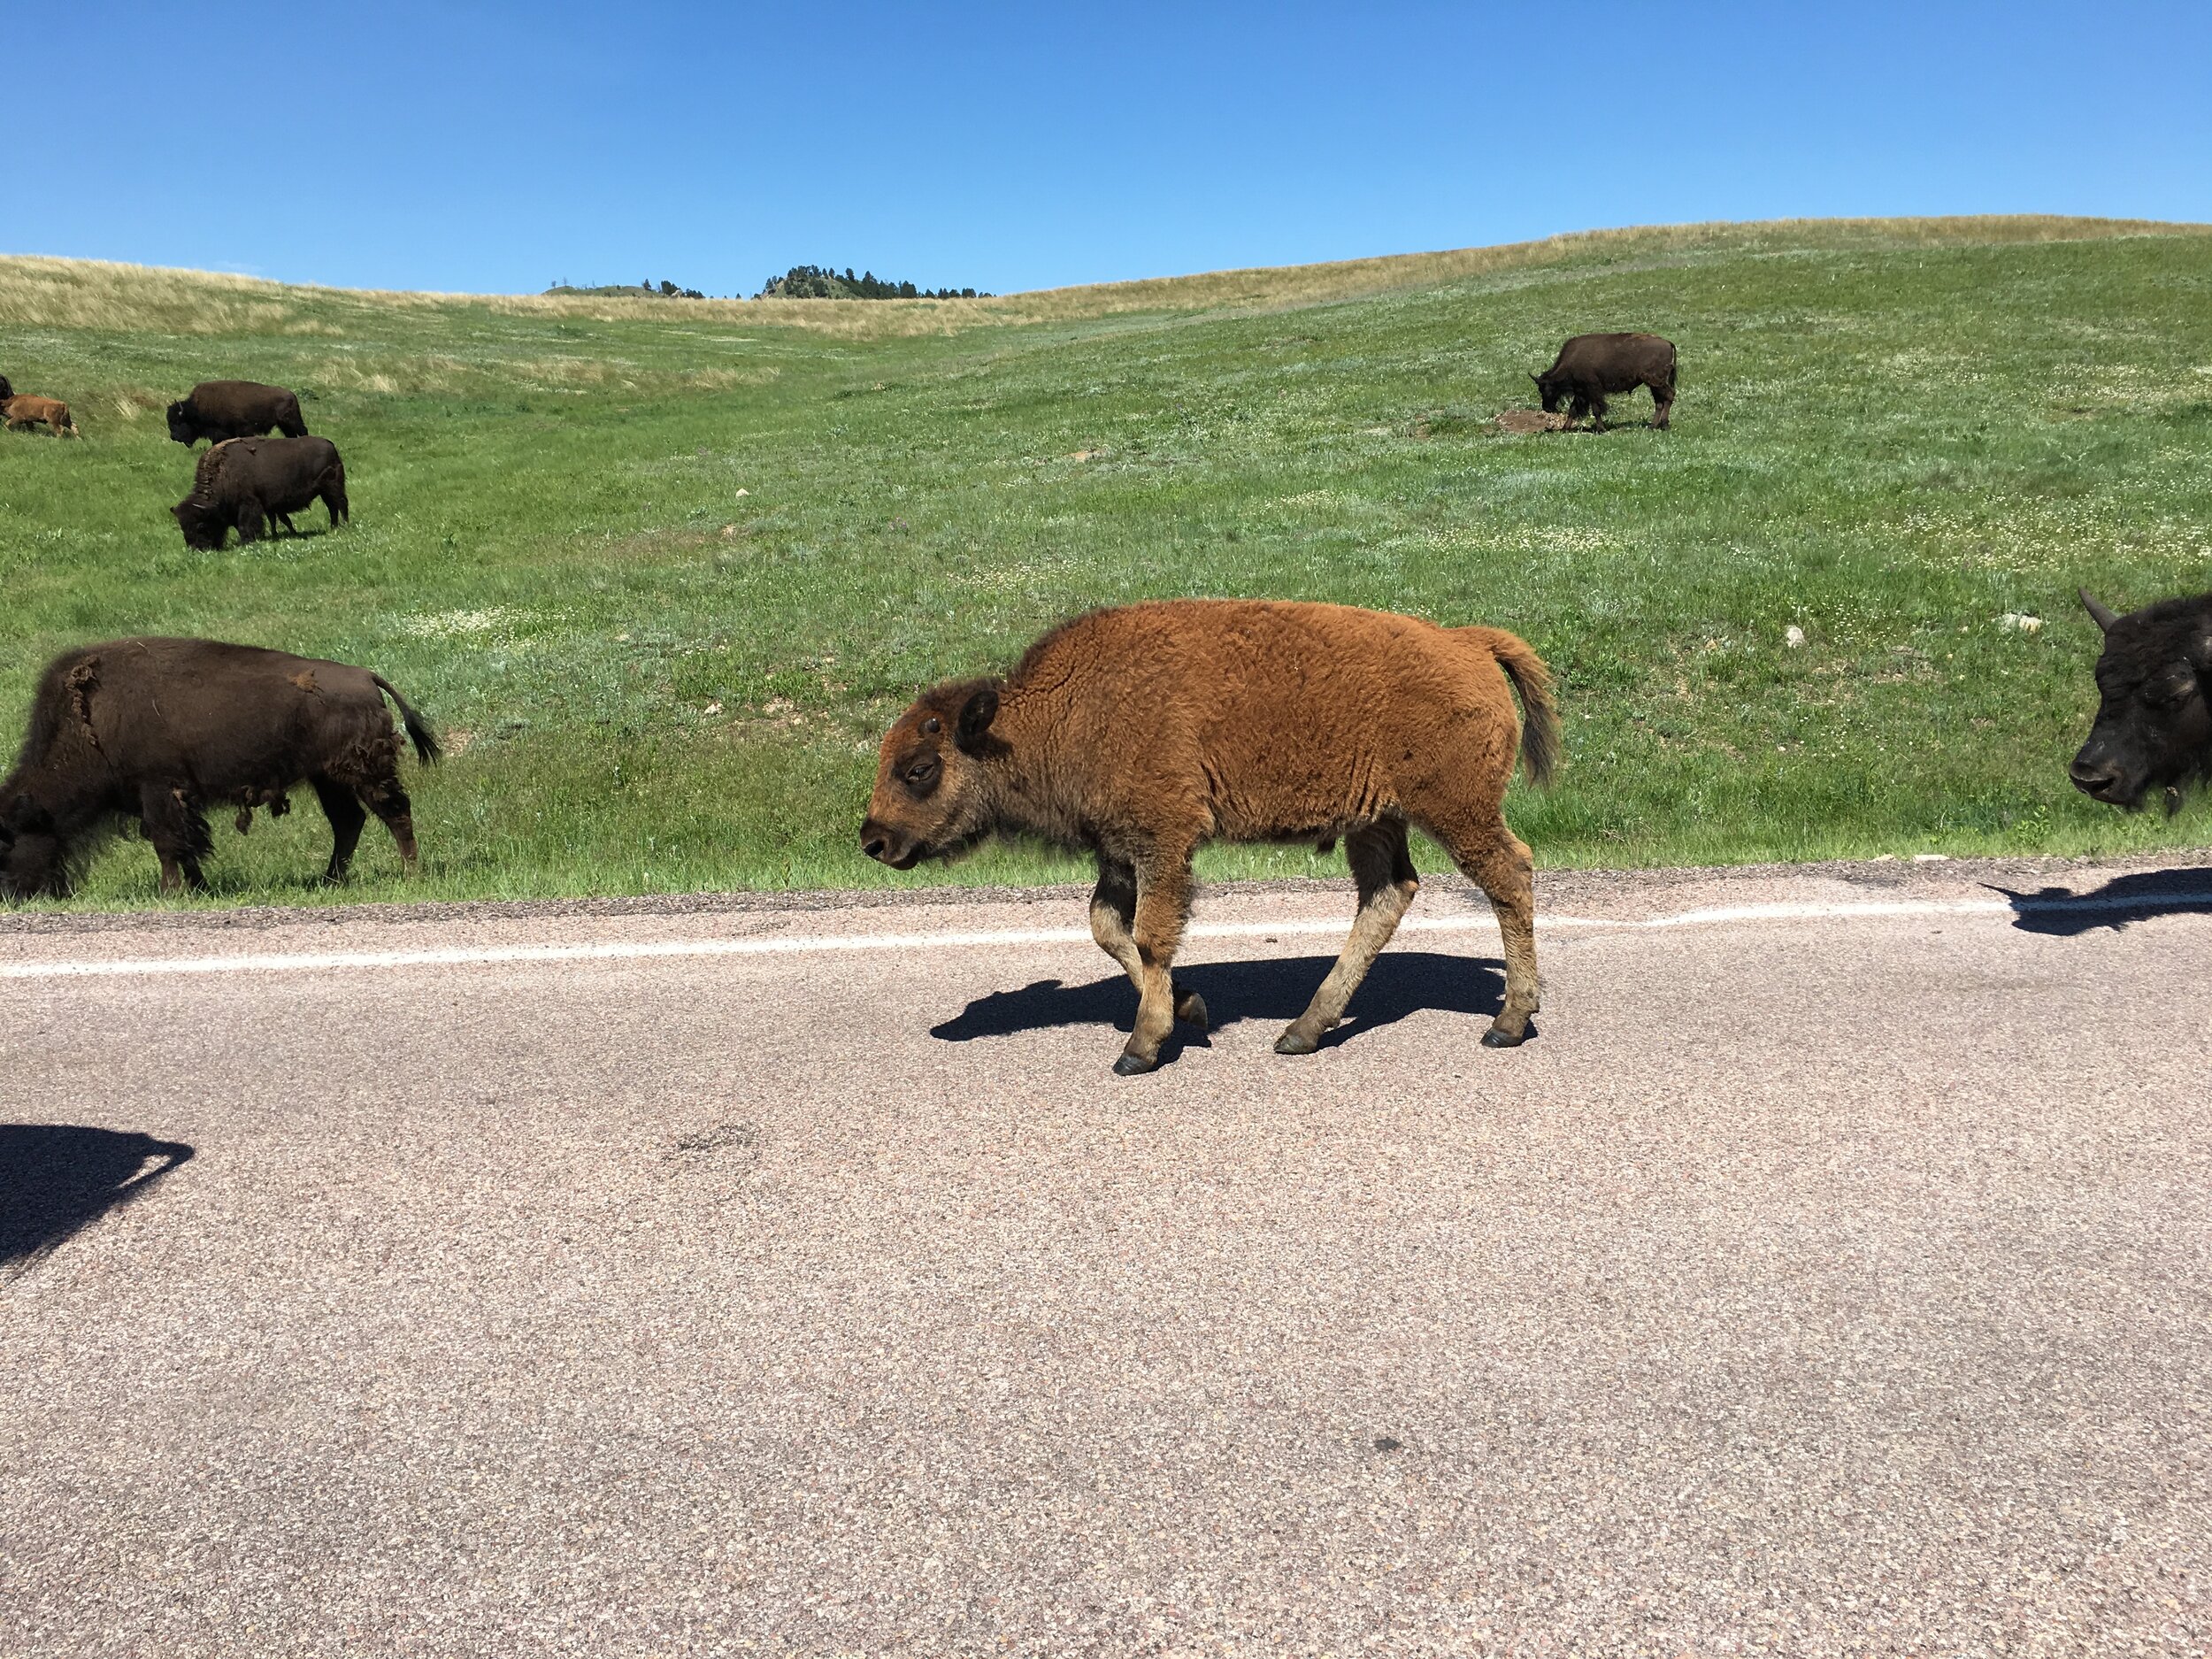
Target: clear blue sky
{"type": "Point", "coordinates": [496, 148]}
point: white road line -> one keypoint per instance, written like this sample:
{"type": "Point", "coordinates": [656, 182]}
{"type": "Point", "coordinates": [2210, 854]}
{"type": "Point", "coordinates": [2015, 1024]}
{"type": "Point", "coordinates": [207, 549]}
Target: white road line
{"type": "Point", "coordinates": [800, 944]}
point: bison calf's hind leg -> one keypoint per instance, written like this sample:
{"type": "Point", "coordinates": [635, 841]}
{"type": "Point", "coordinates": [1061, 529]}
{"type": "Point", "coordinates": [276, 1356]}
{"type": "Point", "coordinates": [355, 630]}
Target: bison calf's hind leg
{"type": "Point", "coordinates": [1113, 912]}
{"type": "Point", "coordinates": [1383, 869]}
{"type": "Point", "coordinates": [1504, 871]}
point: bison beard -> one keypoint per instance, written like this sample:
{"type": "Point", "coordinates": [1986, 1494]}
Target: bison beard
{"type": "Point", "coordinates": [1143, 733]}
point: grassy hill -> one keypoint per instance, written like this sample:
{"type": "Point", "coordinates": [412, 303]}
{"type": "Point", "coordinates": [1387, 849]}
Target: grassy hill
{"type": "Point", "coordinates": [664, 568]}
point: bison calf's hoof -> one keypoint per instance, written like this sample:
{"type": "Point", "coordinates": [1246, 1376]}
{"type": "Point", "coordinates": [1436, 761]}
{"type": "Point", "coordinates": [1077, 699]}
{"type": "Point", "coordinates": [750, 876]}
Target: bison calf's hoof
{"type": "Point", "coordinates": [1134, 1065]}
{"type": "Point", "coordinates": [1503, 1037]}
{"type": "Point", "coordinates": [1295, 1041]}
{"type": "Point", "coordinates": [1192, 1009]}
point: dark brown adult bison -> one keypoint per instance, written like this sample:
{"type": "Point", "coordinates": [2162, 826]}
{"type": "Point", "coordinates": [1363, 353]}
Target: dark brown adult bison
{"type": "Point", "coordinates": [1143, 733]}
{"type": "Point", "coordinates": [163, 730]}
{"type": "Point", "coordinates": [2154, 725]}
{"type": "Point", "coordinates": [1592, 367]}
{"type": "Point", "coordinates": [242, 483]}
{"type": "Point", "coordinates": [217, 409]}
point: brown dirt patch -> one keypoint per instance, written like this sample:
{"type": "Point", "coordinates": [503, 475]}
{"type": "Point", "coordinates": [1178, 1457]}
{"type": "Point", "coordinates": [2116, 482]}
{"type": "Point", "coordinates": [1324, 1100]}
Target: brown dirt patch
{"type": "Point", "coordinates": [1525, 420]}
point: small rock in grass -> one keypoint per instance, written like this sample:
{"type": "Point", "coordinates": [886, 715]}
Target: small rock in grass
{"type": "Point", "coordinates": [2019, 623]}
{"type": "Point", "coordinates": [1793, 638]}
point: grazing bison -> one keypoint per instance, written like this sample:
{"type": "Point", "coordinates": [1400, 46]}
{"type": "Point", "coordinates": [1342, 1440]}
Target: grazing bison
{"type": "Point", "coordinates": [1142, 732]}
{"type": "Point", "coordinates": [234, 409]}
{"type": "Point", "coordinates": [1591, 367]}
{"type": "Point", "coordinates": [163, 730]}
{"type": "Point", "coordinates": [243, 482]}
{"type": "Point", "coordinates": [2154, 725]}
{"type": "Point", "coordinates": [20, 412]}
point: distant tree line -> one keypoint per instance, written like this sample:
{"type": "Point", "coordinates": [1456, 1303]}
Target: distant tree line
{"type": "Point", "coordinates": [819, 282]}
{"type": "Point", "coordinates": [647, 289]}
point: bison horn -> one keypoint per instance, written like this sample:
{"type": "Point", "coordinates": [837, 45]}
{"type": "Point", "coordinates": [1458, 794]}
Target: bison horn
{"type": "Point", "coordinates": [2104, 619]}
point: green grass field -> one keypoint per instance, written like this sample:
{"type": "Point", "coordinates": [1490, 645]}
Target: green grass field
{"type": "Point", "coordinates": [662, 570]}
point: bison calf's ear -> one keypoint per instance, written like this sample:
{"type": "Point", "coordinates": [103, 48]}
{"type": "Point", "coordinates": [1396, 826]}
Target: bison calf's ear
{"type": "Point", "coordinates": [976, 716]}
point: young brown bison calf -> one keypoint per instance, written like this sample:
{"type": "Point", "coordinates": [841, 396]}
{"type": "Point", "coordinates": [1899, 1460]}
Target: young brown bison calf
{"type": "Point", "coordinates": [161, 730]}
{"type": "Point", "coordinates": [22, 411]}
{"type": "Point", "coordinates": [1139, 734]}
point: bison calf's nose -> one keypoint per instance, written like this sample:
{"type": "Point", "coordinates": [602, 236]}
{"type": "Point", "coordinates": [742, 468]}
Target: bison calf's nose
{"type": "Point", "coordinates": [874, 842]}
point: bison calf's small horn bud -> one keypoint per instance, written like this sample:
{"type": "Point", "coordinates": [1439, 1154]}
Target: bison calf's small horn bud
{"type": "Point", "coordinates": [1137, 734]}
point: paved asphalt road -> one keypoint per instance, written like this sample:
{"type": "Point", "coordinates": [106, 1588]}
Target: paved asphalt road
{"type": "Point", "coordinates": [1832, 1274]}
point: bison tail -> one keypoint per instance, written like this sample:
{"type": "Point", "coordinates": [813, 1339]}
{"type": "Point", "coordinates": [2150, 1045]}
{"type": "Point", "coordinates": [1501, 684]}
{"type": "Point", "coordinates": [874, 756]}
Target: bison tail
{"type": "Point", "coordinates": [418, 731]}
{"type": "Point", "coordinates": [1540, 716]}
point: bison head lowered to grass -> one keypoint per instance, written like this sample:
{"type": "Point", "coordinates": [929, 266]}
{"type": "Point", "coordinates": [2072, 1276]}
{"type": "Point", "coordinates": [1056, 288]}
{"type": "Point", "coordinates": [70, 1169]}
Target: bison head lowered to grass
{"type": "Point", "coordinates": [1141, 734]}
{"type": "Point", "coordinates": [2154, 725]}
{"type": "Point", "coordinates": [161, 730]}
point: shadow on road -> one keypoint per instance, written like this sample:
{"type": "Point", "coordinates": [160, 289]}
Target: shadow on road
{"type": "Point", "coordinates": [2124, 899]}
{"type": "Point", "coordinates": [1401, 982]}
{"type": "Point", "coordinates": [57, 1179]}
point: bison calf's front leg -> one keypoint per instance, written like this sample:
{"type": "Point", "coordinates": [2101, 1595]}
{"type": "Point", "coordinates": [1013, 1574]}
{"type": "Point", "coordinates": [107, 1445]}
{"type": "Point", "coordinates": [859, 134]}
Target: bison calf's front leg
{"type": "Point", "coordinates": [1162, 908]}
{"type": "Point", "coordinates": [1113, 913]}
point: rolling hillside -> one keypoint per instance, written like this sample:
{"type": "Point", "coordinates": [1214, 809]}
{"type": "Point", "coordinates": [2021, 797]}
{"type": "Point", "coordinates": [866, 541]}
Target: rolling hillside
{"type": "Point", "coordinates": [662, 568]}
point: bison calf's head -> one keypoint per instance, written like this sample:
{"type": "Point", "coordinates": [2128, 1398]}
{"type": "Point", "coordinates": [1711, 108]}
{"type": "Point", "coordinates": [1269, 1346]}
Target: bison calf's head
{"type": "Point", "coordinates": [2153, 729]}
{"type": "Point", "coordinates": [932, 794]}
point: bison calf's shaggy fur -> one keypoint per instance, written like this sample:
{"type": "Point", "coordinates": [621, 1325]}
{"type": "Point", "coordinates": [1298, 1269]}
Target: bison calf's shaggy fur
{"type": "Point", "coordinates": [2154, 725]}
{"type": "Point", "coordinates": [162, 730]}
{"type": "Point", "coordinates": [234, 409]}
{"type": "Point", "coordinates": [1592, 367]}
{"type": "Point", "coordinates": [1143, 733]}
{"type": "Point", "coordinates": [20, 412]}
{"type": "Point", "coordinates": [242, 483]}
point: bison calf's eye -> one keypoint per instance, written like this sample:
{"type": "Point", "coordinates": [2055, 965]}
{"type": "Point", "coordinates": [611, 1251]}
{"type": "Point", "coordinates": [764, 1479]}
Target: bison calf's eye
{"type": "Point", "coordinates": [922, 773]}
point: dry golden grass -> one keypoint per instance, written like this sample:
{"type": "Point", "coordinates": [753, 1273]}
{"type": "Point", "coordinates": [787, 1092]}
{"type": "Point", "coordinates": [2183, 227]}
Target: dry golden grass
{"type": "Point", "coordinates": [39, 292]}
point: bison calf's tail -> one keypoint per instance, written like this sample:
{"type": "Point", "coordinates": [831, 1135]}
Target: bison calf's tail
{"type": "Point", "coordinates": [1540, 718]}
{"type": "Point", "coordinates": [418, 731]}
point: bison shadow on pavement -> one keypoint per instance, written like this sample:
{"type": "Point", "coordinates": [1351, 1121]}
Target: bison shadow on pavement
{"type": "Point", "coordinates": [57, 1179]}
{"type": "Point", "coordinates": [2124, 899]}
{"type": "Point", "coordinates": [1401, 982]}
